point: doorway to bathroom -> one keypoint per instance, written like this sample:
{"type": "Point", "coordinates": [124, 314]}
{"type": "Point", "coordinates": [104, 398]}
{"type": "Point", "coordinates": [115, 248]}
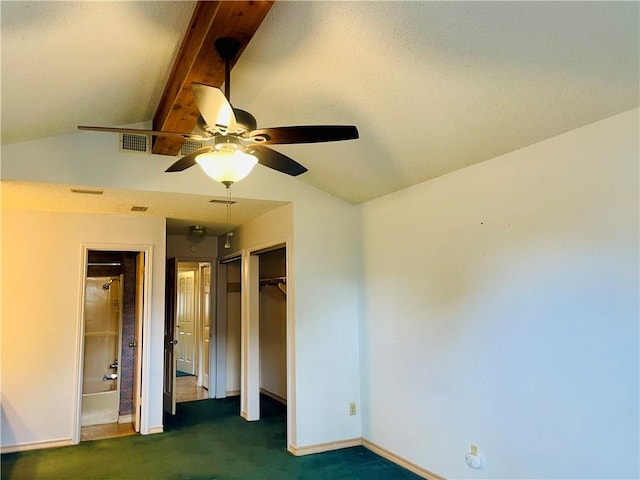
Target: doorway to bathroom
{"type": "Point", "coordinates": [112, 344]}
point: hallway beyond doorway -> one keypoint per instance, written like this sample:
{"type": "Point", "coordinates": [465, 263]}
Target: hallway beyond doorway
{"type": "Point", "coordinates": [187, 389]}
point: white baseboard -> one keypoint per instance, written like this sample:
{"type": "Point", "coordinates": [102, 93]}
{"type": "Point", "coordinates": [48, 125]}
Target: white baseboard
{"type": "Point", "coordinates": [233, 393]}
{"type": "Point", "coordinates": [154, 430]}
{"type": "Point", "coordinates": [23, 447]}
{"type": "Point", "coordinates": [274, 396]}
{"type": "Point", "coordinates": [412, 467]}
{"type": "Point", "coordinates": [125, 419]}
{"type": "Point", "coordinates": [354, 442]}
{"type": "Point", "coordinates": [324, 447]}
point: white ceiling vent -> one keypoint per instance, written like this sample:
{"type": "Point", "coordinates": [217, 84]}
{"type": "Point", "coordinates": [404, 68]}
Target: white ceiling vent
{"type": "Point", "coordinates": [191, 146]}
{"type": "Point", "coordinates": [223, 202]}
{"type": "Point", "coordinates": [87, 191]}
{"type": "Point", "coordinates": [134, 143]}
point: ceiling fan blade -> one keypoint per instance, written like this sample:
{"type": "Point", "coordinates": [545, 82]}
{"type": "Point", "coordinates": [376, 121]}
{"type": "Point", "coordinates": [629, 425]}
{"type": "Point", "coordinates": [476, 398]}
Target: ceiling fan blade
{"type": "Point", "coordinates": [137, 131]}
{"type": "Point", "coordinates": [214, 107]}
{"type": "Point", "coordinates": [306, 134]}
{"type": "Point", "coordinates": [188, 160]}
{"type": "Point", "coordinates": [276, 160]}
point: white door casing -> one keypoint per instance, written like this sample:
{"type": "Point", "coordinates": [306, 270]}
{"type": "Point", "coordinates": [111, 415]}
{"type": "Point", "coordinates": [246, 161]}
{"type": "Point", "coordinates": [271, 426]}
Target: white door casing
{"type": "Point", "coordinates": [137, 343]}
{"type": "Point", "coordinates": [141, 374]}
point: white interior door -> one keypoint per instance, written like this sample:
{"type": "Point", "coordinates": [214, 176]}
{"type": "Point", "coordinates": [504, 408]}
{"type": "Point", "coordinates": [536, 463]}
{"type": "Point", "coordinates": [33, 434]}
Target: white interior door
{"type": "Point", "coordinates": [169, 384]}
{"type": "Point", "coordinates": [206, 323]}
{"type": "Point", "coordinates": [185, 322]}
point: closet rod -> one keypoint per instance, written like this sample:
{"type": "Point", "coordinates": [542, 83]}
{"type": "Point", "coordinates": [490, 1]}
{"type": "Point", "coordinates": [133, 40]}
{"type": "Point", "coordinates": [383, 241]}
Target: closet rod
{"type": "Point", "coordinates": [273, 281]}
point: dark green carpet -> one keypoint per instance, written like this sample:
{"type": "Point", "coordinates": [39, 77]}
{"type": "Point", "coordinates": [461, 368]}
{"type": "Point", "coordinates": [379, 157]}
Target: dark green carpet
{"type": "Point", "coordinates": [205, 440]}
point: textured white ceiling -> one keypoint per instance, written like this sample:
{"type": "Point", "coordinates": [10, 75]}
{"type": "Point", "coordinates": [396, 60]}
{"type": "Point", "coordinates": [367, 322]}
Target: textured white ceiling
{"type": "Point", "coordinates": [432, 86]}
{"type": "Point", "coordinates": [435, 86]}
{"type": "Point", "coordinates": [71, 63]}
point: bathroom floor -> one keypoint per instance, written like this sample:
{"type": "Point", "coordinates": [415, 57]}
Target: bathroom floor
{"type": "Point", "coordinates": [108, 430]}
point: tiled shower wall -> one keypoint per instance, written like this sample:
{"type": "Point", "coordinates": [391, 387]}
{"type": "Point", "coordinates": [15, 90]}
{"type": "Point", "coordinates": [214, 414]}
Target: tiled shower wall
{"type": "Point", "coordinates": [128, 334]}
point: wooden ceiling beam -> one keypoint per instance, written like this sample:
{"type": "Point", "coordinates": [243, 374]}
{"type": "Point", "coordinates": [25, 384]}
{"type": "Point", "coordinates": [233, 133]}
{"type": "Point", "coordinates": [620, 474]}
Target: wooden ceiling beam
{"type": "Point", "coordinates": [198, 61]}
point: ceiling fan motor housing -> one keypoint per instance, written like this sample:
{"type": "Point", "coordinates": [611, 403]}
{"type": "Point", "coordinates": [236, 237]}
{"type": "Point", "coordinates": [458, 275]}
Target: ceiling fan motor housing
{"type": "Point", "coordinates": [227, 48]}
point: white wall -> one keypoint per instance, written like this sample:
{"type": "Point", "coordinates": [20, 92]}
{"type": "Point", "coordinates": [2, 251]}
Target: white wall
{"type": "Point", "coordinates": [326, 283]}
{"type": "Point", "coordinates": [42, 272]}
{"type": "Point", "coordinates": [500, 308]}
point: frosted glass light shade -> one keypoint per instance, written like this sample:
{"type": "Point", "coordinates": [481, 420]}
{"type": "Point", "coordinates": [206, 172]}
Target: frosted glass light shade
{"type": "Point", "coordinates": [226, 166]}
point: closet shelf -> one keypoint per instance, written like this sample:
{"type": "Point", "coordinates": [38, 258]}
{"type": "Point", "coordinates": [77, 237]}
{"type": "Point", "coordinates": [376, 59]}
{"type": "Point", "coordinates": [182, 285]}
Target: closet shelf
{"type": "Point", "coordinates": [280, 282]}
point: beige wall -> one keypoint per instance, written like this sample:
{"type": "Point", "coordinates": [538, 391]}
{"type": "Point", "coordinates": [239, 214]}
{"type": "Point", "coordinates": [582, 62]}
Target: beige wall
{"type": "Point", "coordinates": [42, 274]}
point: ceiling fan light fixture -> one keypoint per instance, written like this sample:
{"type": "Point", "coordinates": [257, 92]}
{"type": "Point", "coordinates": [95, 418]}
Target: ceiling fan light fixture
{"type": "Point", "coordinates": [226, 166]}
{"type": "Point", "coordinates": [197, 231]}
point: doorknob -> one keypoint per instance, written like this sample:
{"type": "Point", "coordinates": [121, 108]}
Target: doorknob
{"type": "Point", "coordinates": [173, 342]}
{"type": "Point", "coordinates": [132, 344]}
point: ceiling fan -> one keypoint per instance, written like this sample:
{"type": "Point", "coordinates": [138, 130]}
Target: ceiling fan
{"type": "Point", "coordinates": [234, 141]}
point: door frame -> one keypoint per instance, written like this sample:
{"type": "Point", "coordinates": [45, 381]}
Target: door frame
{"type": "Point", "coordinates": [144, 352]}
{"type": "Point", "coordinates": [250, 321]}
{"type": "Point", "coordinates": [214, 341]}
{"type": "Point", "coordinates": [204, 379]}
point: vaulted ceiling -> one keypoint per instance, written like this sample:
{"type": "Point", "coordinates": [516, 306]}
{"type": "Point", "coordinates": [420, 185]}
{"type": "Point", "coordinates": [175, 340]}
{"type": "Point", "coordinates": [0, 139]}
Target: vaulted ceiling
{"type": "Point", "coordinates": [432, 86]}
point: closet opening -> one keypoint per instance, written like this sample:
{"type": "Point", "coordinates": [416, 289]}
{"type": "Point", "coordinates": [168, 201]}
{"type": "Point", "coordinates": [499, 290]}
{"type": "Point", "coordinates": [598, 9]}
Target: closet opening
{"type": "Point", "coordinates": [265, 375]}
{"type": "Point", "coordinates": [272, 342]}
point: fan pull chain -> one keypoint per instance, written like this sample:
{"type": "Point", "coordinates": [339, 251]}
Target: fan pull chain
{"type": "Point", "coordinates": [227, 243]}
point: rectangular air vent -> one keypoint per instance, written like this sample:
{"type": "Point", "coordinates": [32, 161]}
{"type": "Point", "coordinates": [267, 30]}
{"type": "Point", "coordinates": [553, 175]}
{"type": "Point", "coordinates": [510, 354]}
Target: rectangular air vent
{"type": "Point", "coordinates": [191, 146]}
{"type": "Point", "coordinates": [137, 208]}
{"type": "Point", "coordinates": [222, 202]}
{"type": "Point", "coordinates": [130, 142]}
{"type": "Point", "coordinates": [87, 192]}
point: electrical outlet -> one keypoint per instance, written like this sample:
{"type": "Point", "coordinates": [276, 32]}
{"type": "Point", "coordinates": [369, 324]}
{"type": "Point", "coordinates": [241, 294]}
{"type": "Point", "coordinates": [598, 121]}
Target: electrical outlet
{"type": "Point", "coordinates": [352, 408]}
{"type": "Point", "coordinates": [474, 450]}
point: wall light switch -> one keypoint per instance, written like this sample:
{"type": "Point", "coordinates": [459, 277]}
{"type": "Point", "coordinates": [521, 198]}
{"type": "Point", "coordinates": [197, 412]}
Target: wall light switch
{"type": "Point", "coordinates": [352, 408]}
